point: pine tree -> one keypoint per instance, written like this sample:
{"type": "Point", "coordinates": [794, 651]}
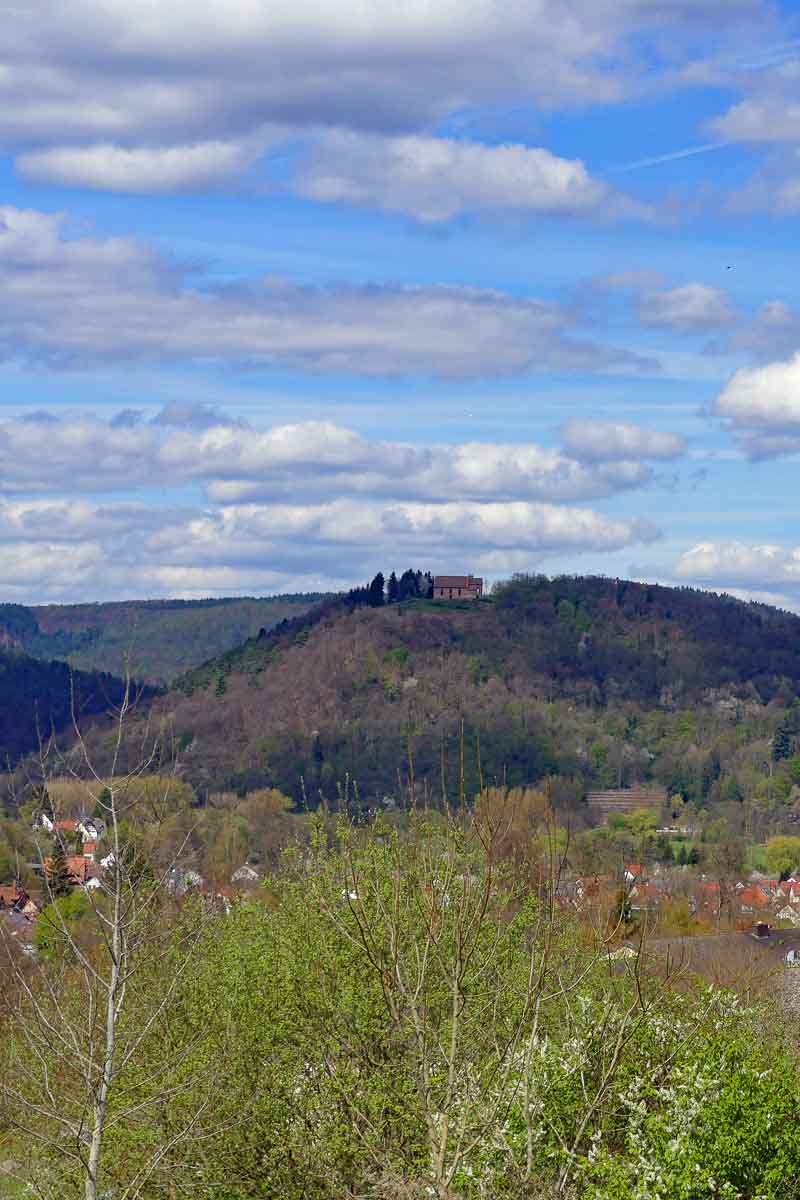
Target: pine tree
{"type": "Point", "coordinates": [59, 881]}
{"type": "Point", "coordinates": [394, 589]}
{"type": "Point", "coordinates": [376, 591]}
{"type": "Point", "coordinates": [781, 743]}
{"type": "Point", "coordinates": [407, 588]}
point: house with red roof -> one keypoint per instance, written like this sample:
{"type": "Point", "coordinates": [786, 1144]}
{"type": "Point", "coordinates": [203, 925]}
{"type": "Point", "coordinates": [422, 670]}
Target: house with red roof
{"type": "Point", "coordinates": [457, 587]}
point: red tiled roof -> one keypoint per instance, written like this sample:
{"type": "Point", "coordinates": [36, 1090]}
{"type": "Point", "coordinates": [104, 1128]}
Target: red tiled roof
{"type": "Point", "coordinates": [456, 581]}
{"type": "Point", "coordinates": [753, 897]}
{"type": "Point", "coordinates": [79, 868]}
{"type": "Point", "coordinates": [645, 891]}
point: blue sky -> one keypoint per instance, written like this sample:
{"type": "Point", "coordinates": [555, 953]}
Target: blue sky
{"type": "Point", "coordinates": [292, 293]}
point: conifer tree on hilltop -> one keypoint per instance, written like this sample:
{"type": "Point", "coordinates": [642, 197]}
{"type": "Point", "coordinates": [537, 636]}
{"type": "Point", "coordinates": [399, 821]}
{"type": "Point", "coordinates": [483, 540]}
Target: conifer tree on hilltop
{"type": "Point", "coordinates": [376, 591]}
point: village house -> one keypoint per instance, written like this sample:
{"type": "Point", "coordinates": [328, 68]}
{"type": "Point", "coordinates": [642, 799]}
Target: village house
{"type": "Point", "coordinates": [82, 871]}
{"type": "Point", "coordinates": [457, 587]}
{"type": "Point", "coordinates": [91, 829]}
{"type": "Point", "coordinates": [12, 896]}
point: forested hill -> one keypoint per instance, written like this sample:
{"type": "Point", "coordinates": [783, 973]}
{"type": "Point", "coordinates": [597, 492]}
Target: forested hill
{"type": "Point", "coordinates": [38, 698]}
{"type": "Point", "coordinates": [163, 637]}
{"type": "Point", "coordinates": [596, 680]}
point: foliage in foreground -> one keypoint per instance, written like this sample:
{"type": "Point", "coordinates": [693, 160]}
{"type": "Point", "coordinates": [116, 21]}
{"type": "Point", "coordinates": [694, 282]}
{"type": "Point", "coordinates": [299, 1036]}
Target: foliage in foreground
{"type": "Point", "coordinates": [400, 1018]}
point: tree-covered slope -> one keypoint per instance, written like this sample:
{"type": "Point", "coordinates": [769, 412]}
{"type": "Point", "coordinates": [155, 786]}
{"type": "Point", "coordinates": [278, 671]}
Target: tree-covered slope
{"type": "Point", "coordinates": [163, 637]}
{"type": "Point", "coordinates": [598, 681]}
{"type": "Point", "coordinates": [39, 698]}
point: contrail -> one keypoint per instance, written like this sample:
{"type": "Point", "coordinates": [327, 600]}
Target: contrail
{"type": "Point", "coordinates": [662, 158]}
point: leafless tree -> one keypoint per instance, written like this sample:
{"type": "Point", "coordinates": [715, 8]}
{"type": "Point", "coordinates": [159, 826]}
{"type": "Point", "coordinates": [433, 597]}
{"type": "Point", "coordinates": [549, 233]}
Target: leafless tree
{"type": "Point", "coordinates": [80, 1018]}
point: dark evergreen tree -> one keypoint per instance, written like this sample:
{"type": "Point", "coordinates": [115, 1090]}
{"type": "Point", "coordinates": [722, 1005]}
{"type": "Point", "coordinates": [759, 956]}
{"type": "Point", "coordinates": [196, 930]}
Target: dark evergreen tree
{"type": "Point", "coordinates": [394, 589]}
{"type": "Point", "coordinates": [376, 591]}
{"type": "Point", "coordinates": [407, 586]}
{"type": "Point", "coordinates": [59, 881]}
{"type": "Point", "coordinates": [781, 743]}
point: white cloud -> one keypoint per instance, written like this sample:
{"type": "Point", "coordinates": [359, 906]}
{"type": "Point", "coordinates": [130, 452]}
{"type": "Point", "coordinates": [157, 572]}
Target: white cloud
{"type": "Point", "coordinates": [349, 539]}
{"type": "Point", "coordinates": [141, 169]}
{"type": "Point", "coordinates": [770, 115]}
{"type": "Point", "coordinates": [45, 570]}
{"type": "Point", "coordinates": [248, 465]}
{"type": "Point", "coordinates": [79, 455]}
{"type": "Point", "coordinates": [731, 563]}
{"type": "Point", "coordinates": [195, 442]}
{"type": "Point", "coordinates": [241, 532]}
{"type": "Point", "coordinates": [110, 551]}
{"type": "Point", "coordinates": [434, 179]}
{"type": "Point", "coordinates": [74, 520]}
{"type": "Point", "coordinates": [130, 96]}
{"type": "Point", "coordinates": [488, 504]}
{"type": "Point", "coordinates": [97, 67]}
{"type": "Point", "coordinates": [606, 441]}
{"type": "Point", "coordinates": [691, 308]}
{"type": "Point", "coordinates": [762, 406]}
{"type": "Point", "coordinates": [88, 300]}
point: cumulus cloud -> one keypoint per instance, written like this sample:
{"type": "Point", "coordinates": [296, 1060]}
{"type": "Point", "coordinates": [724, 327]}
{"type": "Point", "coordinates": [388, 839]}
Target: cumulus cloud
{"type": "Point", "coordinates": [485, 503]}
{"type": "Point", "coordinates": [78, 455]}
{"type": "Point", "coordinates": [241, 531]}
{"type": "Point", "coordinates": [96, 93]}
{"type": "Point", "coordinates": [762, 406]}
{"type": "Point", "coordinates": [88, 300]}
{"type": "Point", "coordinates": [244, 466]}
{"type": "Point", "coordinates": [737, 564]}
{"type": "Point", "coordinates": [90, 69]}
{"type": "Point", "coordinates": [694, 307]}
{"type": "Point", "coordinates": [113, 551]}
{"type": "Point", "coordinates": [434, 179]}
{"type": "Point", "coordinates": [141, 169]}
{"type": "Point", "coordinates": [348, 538]}
{"type": "Point", "coordinates": [769, 114]}
{"type": "Point", "coordinates": [607, 441]}
{"type": "Point", "coordinates": [234, 463]}
{"type": "Point", "coordinates": [75, 520]}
